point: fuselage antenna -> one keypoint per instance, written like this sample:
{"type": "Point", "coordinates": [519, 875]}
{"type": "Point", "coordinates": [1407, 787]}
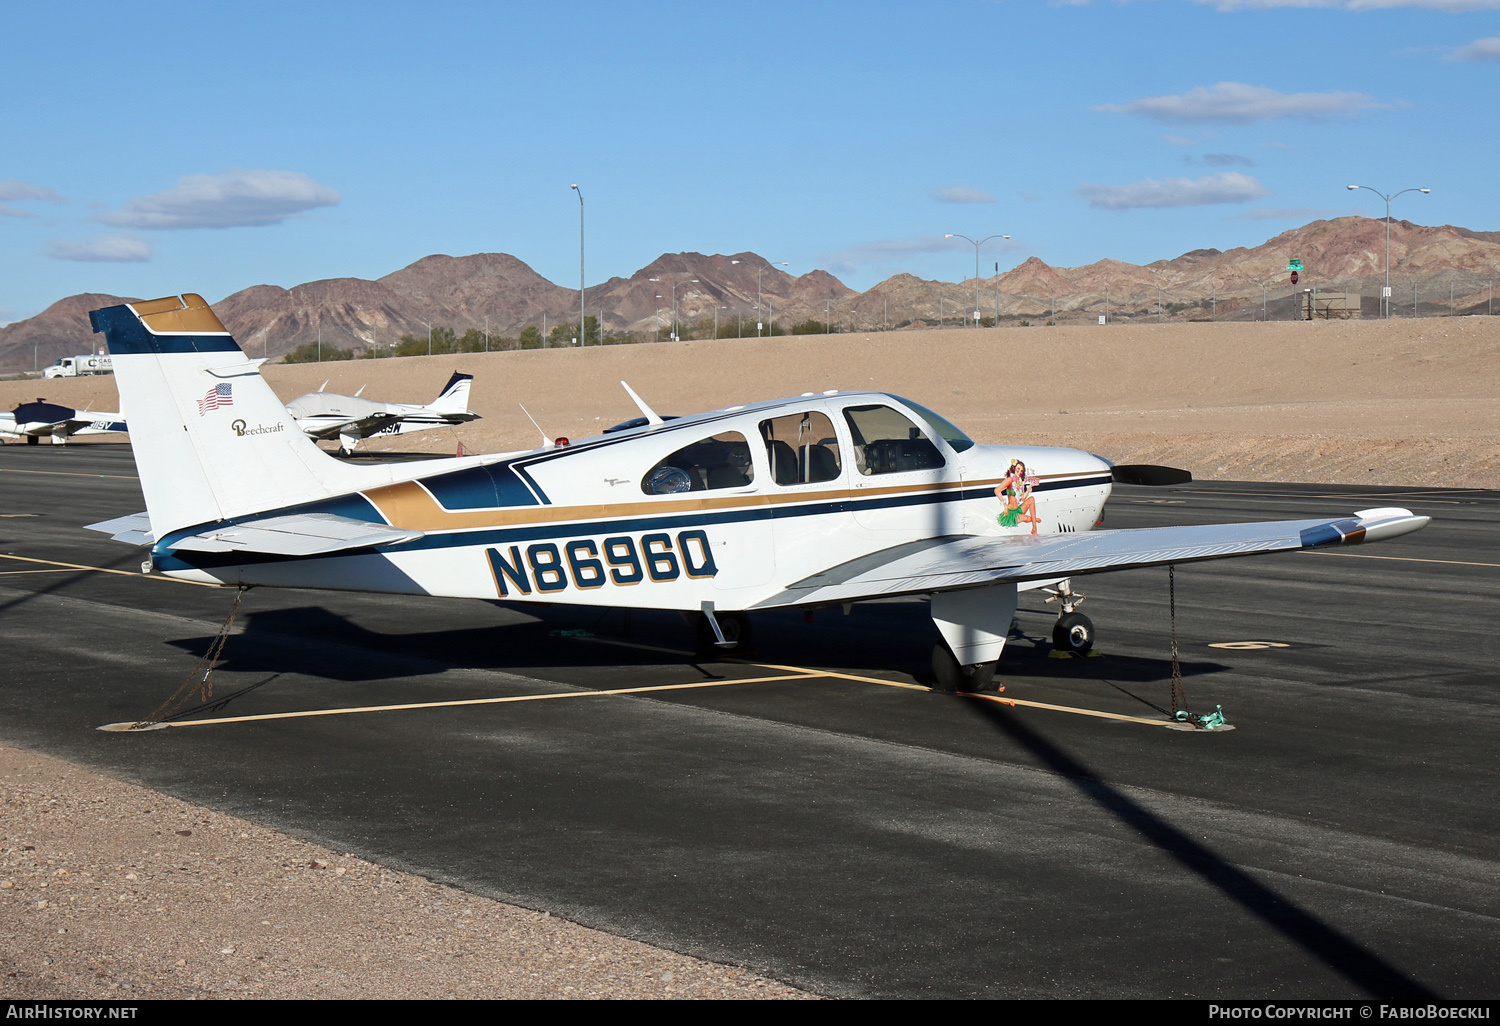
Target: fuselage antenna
{"type": "Point", "coordinates": [546, 442]}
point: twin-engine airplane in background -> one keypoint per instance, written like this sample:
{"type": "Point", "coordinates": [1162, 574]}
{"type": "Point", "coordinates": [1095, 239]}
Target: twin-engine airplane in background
{"type": "Point", "coordinates": [826, 498]}
{"type": "Point", "coordinates": [41, 419]}
{"type": "Point", "coordinates": [351, 419]}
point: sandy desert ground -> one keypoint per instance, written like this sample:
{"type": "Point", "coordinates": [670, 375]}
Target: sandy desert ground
{"type": "Point", "coordinates": [1400, 402]}
{"type": "Point", "coordinates": [90, 907]}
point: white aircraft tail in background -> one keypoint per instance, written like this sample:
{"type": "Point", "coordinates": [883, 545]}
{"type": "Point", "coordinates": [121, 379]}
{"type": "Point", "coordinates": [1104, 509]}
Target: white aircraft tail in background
{"type": "Point", "coordinates": [351, 418]}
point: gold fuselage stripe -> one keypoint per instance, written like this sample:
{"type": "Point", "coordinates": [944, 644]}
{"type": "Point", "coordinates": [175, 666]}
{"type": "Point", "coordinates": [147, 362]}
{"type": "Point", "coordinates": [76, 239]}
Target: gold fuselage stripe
{"type": "Point", "coordinates": [411, 507]}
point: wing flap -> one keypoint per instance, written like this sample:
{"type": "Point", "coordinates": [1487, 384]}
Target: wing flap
{"type": "Point", "coordinates": [971, 562]}
{"type": "Point", "coordinates": [296, 534]}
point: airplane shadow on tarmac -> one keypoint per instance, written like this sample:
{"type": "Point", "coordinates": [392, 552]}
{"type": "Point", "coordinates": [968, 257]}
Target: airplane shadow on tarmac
{"type": "Point", "coordinates": [1341, 954]}
{"type": "Point", "coordinates": [894, 638]}
{"type": "Point", "coordinates": [313, 641]}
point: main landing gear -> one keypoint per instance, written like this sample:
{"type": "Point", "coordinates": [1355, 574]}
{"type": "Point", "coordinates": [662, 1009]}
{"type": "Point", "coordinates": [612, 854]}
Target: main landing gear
{"type": "Point", "coordinates": [732, 637]}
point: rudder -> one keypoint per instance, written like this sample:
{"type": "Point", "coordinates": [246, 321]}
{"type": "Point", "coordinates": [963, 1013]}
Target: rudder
{"type": "Point", "coordinates": [211, 439]}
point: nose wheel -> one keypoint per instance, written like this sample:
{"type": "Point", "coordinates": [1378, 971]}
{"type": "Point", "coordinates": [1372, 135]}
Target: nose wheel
{"type": "Point", "coordinates": [1073, 633]}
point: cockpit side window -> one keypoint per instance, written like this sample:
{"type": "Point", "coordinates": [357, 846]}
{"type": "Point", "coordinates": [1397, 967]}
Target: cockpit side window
{"type": "Point", "coordinates": [722, 461]}
{"type": "Point", "coordinates": [802, 448]}
{"type": "Point", "coordinates": [887, 442]}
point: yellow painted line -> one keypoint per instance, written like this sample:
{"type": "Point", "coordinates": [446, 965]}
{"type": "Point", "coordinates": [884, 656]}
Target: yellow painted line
{"type": "Point", "coordinates": [106, 570]}
{"type": "Point", "coordinates": [13, 573]}
{"type": "Point", "coordinates": [988, 698]}
{"type": "Point", "coordinates": [1148, 721]}
{"type": "Point", "coordinates": [805, 672]}
{"type": "Point", "coordinates": [61, 473]}
{"type": "Point", "coordinates": [482, 701]}
{"type": "Point", "coordinates": [835, 675]}
{"type": "Point", "coordinates": [1400, 559]}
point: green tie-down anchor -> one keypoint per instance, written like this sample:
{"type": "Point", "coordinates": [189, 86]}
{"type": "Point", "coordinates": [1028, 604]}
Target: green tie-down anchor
{"type": "Point", "coordinates": [1208, 721]}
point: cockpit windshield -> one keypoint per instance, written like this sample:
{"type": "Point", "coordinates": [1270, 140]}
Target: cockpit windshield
{"type": "Point", "coordinates": [950, 434]}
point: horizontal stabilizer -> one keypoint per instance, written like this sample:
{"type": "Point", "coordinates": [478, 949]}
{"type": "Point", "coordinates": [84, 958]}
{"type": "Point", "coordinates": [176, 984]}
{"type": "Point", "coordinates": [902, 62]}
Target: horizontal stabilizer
{"type": "Point", "coordinates": [296, 534]}
{"type": "Point", "coordinates": [134, 529]}
{"type": "Point", "coordinates": [946, 564]}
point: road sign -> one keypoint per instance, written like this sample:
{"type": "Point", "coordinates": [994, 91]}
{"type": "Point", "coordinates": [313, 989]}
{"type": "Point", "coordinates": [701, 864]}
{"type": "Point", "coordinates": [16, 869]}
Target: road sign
{"type": "Point", "coordinates": [1294, 265]}
{"type": "Point", "coordinates": [1294, 277]}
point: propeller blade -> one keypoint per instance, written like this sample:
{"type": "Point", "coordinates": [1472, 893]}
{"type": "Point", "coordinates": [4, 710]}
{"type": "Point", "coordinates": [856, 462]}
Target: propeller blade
{"type": "Point", "coordinates": [1149, 474]}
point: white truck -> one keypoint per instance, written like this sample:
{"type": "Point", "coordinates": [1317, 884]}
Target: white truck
{"type": "Point", "coordinates": [78, 366]}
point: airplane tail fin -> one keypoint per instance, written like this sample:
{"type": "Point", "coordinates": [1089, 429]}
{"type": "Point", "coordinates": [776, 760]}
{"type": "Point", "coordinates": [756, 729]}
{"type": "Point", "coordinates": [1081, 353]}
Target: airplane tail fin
{"type": "Point", "coordinates": [211, 440]}
{"type": "Point", "coordinates": [454, 398]}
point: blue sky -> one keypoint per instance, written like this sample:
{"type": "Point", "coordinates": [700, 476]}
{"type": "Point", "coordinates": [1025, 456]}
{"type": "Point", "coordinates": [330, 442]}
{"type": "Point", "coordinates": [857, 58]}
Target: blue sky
{"type": "Point", "coordinates": [158, 148]}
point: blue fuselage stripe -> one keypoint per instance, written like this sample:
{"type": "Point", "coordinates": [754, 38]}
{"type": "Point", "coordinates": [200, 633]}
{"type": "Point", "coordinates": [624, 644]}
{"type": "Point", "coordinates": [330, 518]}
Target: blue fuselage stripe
{"type": "Point", "coordinates": [655, 522]}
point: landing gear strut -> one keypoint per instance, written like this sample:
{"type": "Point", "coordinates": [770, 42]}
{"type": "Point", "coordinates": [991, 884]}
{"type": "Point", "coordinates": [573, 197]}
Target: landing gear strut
{"type": "Point", "coordinates": [1073, 632]}
{"type": "Point", "coordinates": [734, 626]}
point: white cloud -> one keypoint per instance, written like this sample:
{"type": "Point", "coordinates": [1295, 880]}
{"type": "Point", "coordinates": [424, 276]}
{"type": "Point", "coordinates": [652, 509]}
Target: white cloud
{"type": "Point", "coordinates": [235, 199]}
{"type": "Point", "coordinates": [1224, 187]}
{"type": "Point", "coordinates": [961, 194]}
{"type": "Point", "coordinates": [1227, 160]}
{"type": "Point", "coordinates": [1238, 103]}
{"type": "Point", "coordinates": [114, 249]}
{"type": "Point", "coordinates": [13, 189]}
{"type": "Point", "coordinates": [1479, 50]}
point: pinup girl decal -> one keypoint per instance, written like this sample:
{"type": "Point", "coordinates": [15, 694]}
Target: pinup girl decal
{"type": "Point", "coordinates": [1018, 506]}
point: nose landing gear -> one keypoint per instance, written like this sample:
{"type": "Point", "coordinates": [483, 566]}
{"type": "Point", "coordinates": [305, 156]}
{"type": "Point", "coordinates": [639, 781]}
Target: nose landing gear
{"type": "Point", "coordinates": [1073, 632]}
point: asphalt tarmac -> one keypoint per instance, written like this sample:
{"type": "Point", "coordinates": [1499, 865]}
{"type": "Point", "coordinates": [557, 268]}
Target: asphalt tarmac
{"type": "Point", "coordinates": [814, 812]}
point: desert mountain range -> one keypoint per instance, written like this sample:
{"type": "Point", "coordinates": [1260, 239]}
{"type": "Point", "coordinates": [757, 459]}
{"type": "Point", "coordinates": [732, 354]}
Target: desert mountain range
{"type": "Point", "coordinates": [1345, 254]}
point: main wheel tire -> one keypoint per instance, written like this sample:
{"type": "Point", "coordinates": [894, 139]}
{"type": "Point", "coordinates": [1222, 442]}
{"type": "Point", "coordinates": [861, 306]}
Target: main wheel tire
{"type": "Point", "coordinates": [736, 628]}
{"type": "Point", "coordinates": [949, 675]}
{"type": "Point", "coordinates": [1073, 633]}
{"type": "Point", "coordinates": [33, 440]}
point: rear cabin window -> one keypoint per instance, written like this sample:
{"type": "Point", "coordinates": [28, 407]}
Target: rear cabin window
{"type": "Point", "coordinates": [887, 442]}
{"type": "Point", "coordinates": [801, 448]}
{"type": "Point", "coordinates": [722, 461]}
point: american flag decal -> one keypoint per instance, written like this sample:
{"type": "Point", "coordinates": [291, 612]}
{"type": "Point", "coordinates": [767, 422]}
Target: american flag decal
{"type": "Point", "coordinates": [215, 397]}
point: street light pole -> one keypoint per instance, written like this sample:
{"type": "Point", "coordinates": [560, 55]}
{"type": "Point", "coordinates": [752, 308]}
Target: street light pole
{"type": "Point", "coordinates": [582, 335]}
{"type": "Point", "coordinates": [976, 245]}
{"type": "Point", "coordinates": [1385, 298]}
{"type": "Point", "coordinates": [758, 272]}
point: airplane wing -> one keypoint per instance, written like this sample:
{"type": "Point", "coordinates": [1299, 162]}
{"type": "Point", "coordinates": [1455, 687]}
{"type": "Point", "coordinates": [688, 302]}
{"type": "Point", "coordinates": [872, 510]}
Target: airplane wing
{"type": "Point", "coordinates": [363, 427]}
{"type": "Point", "coordinates": [94, 424]}
{"type": "Point", "coordinates": [947, 564]}
{"type": "Point", "coordinates": [296, 534]}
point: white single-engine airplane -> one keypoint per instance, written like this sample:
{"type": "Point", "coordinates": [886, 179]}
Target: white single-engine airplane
{"type": "Point", "coordinates": [41, 419]}
{"type": "Point", "coordinates": [351, 419]}
{"type": "Point", "coordinates": [823, 499]}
